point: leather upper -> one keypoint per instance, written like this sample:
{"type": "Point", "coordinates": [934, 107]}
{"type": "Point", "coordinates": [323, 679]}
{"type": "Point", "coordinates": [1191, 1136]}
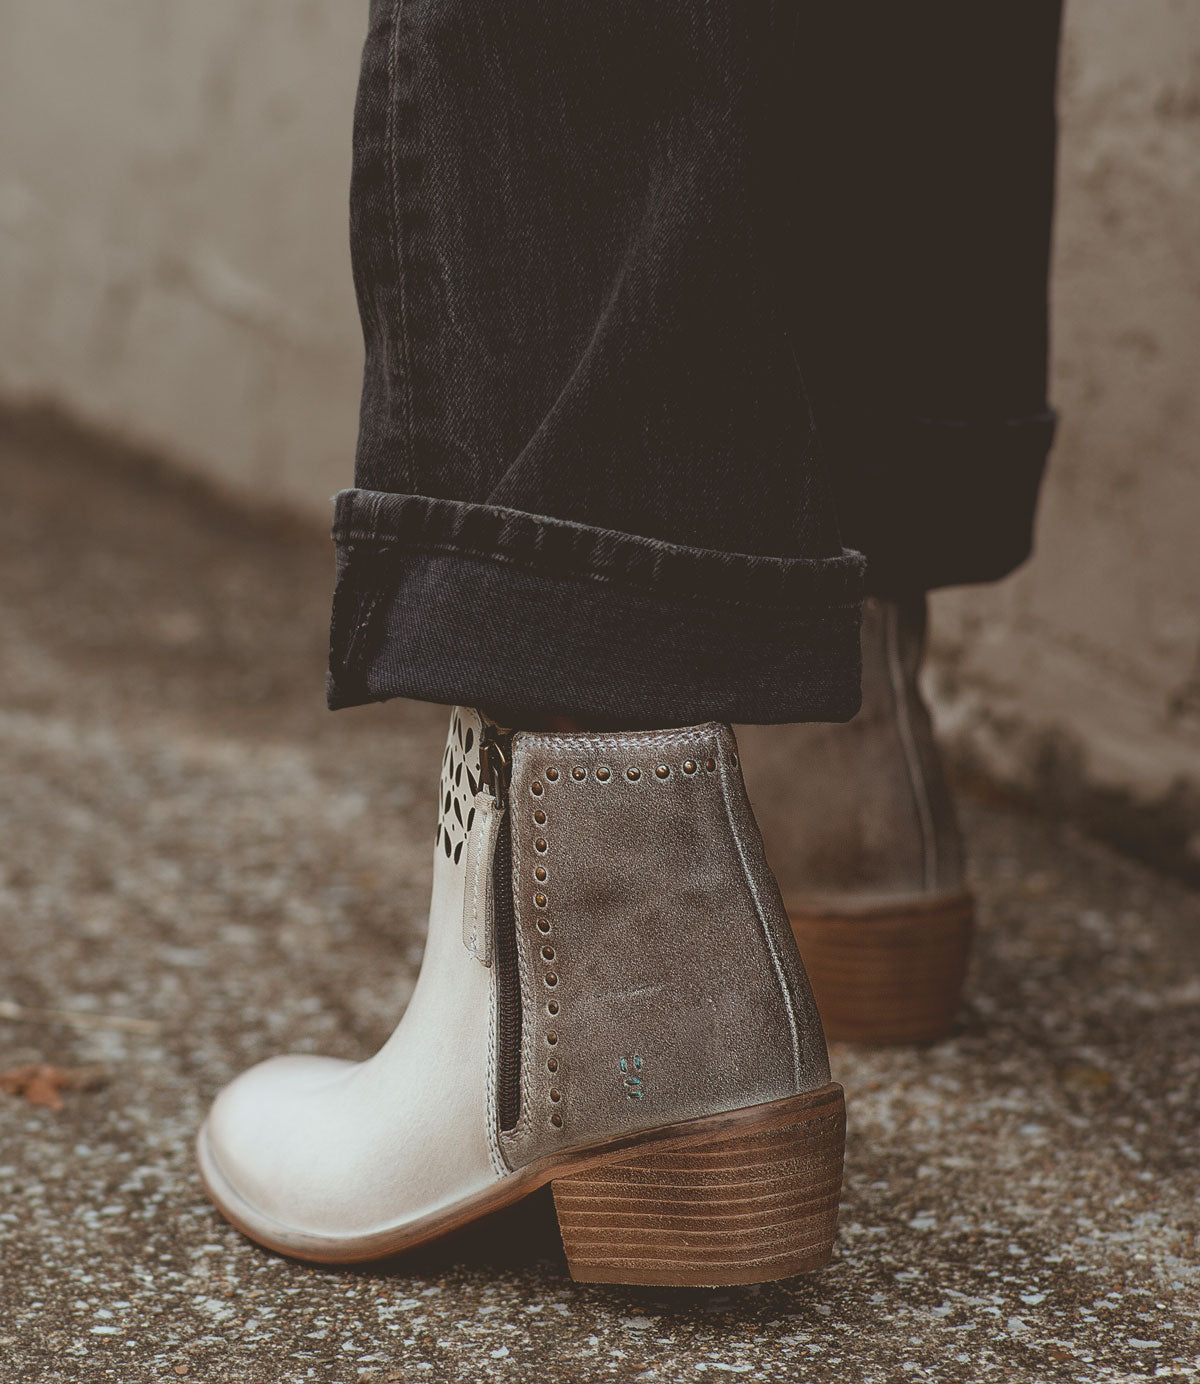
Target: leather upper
{"type": "Point", "coordinates": [660, 978]}
{"type": "Point", "coordinates": [860, 814]}
{"type": "Point", "coordinates": [344, 1148]}
{"type": "Point", "coordinates": [659, 982]}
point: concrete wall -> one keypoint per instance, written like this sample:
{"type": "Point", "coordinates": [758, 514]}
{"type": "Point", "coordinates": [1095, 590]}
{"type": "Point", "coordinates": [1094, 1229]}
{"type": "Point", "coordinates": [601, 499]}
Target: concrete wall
{"type": "Point", "coordinates": [173, 269]}
{"type": "Point", "coordinates": [173, 229]}
{"type": "Point", "coordinates": [1080, 676]}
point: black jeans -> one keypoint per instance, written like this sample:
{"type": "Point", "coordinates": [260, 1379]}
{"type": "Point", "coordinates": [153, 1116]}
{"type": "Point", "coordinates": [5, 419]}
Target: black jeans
{"type": "Point", "coordinates": [673, 310]}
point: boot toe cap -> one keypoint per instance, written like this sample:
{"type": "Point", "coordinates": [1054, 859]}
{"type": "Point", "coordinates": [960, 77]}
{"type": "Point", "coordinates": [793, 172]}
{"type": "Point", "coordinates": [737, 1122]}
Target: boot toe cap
{"type": "Point", "coordinates": [266, 1145]}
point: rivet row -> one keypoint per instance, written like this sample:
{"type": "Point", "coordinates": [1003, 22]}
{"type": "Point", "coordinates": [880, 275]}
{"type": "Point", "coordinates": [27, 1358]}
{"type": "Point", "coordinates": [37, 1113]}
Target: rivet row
{"type": "Point", "coordinates": [604, 773]}
{"type": "Point", "coordinates": [541, 845]}
{"type": "Point", "coordinates": [541, 901]}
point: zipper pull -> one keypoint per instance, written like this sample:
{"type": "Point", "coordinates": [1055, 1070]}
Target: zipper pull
{"type": "Point", "coordinates": [495, 758]}
{"type": "Point", "coordinates": [495, 771]}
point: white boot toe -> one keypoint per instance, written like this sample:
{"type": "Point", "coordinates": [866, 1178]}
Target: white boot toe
{"type": "Point", "coordinates": [267, 1140]}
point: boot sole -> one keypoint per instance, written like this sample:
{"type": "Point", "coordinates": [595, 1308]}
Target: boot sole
{"type": "Point", "coordinates": [748, 1196]}
{"type": "Point", "coordinates": [889, 975]}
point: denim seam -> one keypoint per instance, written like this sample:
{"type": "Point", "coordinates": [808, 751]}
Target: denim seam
{"type": "Point", "coordinates": [402, 367]}
{"type": "Point", "coordinates": [1044, 418]}
{"type": "Point", "coordinates": [356, 649]}
{"type": "Point", "coordinates": [386, 546]}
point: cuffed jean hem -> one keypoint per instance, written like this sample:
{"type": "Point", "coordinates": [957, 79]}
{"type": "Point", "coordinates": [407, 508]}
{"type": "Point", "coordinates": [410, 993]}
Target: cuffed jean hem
{"type": "Point", "coordinates": [942, 502]}
{"type": "Point", "coordinates": [529, 616]}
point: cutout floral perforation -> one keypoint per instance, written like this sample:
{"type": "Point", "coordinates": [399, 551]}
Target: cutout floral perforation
{"type": "Point", "coordinates": [457, 789]}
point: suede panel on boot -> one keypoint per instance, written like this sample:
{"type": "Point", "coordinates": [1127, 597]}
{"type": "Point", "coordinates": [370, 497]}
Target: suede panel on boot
{"type": "Point", "coordinates": [860, 812]}
{"type": "Point", "coordinates": [660, 978]}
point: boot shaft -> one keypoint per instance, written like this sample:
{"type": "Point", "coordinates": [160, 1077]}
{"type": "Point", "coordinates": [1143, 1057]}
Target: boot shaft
{"type": "Point", "coordinates": [860, 825]}
{"type": "Point", "coordinates": [861, 811]}
{"type": "Point", "coordinates": [645, 972]}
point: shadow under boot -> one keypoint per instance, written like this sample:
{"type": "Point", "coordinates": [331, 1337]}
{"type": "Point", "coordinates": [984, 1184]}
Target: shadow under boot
{"type": "Point", "coordinates": [860, 829]}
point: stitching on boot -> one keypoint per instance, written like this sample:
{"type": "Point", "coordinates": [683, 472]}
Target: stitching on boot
{"type": "Point", "coordinates": [760, 914]}
{"type": "Point", "coordinates": [480, 847]}
{"type": "Point", "coordinates": [491, 1114]}
{"type": "Point", "coordinates": [912, 759]}
{"type": "Point", "coordinates": [551, 745]}
{"type": "Point", "coordinates": [545, 927]}
{"type": "Point", "coordinates": [473, 937]}
{"type": "Point", "coordinates": [512, 1138]}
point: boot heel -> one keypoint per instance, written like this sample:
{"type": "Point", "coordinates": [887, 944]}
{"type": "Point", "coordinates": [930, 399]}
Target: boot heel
{"type": "Point", "coordinates": [743, 1208]}
{"type": "Point", "coordinates": [891, 976]}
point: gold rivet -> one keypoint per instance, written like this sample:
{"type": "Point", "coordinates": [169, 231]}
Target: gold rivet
{"type": "Point", "coordinates": [552, 1008]}
{"type": "Point", "coordinates": [689, 766]}
{"type": "Point", "coordinates": [578, 774]}
{"type": "Point", "coordinates": [540, 845]}
{"type": "Point", "coordinates": [603, 774]}
{"type": "Point", "coordinates": [551, 978]}
{"type": "Point", "coordinates": [540, 817]}
{"type": "Point", "coordinates": [662, 771]}
{"type": "Point", "coordinates": [543, 924]}
{"type": "Point", "coordinates": [556, 1120]}
{"type": "Point", "coordinates": [552, 1038]}
{"type": "Point", "coordinates": [540, 900]}
{"type": "Point", "coordinates": [555, 1095]}
{"type": "Point", "coordinates": [547, 953]}
{"type": "Point", "coordinates": [552, 775]}
{"type": "Point", "coordinates": [552, 1064]}
{"type": "Point", "coordinates": [633, 775]}
{"type": "Point", "coordinates": [540, 873]}
{"type": "Point", "coordinates": [536, 789]}
{"type": "Point", "coordinates": [710, 765]}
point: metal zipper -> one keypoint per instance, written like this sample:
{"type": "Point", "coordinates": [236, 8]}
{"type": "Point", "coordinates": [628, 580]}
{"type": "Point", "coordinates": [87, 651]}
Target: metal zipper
{"type": "Point", "coordinates": [495, 763]}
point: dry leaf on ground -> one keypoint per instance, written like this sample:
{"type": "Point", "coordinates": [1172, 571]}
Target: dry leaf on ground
{"type": "Point", "coordinates": [41, 1084]}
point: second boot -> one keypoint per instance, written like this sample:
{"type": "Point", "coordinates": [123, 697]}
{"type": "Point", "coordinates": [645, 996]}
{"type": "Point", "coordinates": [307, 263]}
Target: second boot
{"type": "Point", "coordinates": [860, 828]}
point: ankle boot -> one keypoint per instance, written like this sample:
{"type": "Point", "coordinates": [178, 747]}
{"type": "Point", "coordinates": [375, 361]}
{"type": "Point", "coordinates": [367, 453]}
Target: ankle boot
{"type": "Point", "coordinates": [860, 828]}
{"type": "Point", "coordinates": [610, 1000]}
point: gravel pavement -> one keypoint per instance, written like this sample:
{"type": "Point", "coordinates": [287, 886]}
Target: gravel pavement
{"type": "Point", "coordinates": [200, 867]}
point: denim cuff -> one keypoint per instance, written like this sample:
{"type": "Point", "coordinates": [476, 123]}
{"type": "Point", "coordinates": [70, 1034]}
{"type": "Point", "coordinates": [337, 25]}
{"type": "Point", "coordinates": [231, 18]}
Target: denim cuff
{"type": "Point", "coordinates": [942, 502]}
{"type": "Point", "coordinates": [530, 616]}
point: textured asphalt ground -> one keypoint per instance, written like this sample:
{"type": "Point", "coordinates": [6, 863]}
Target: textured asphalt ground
{"type": "Point", "coordinates": [200, 867]}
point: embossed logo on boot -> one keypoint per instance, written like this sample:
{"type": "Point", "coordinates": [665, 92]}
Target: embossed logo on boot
{"type": "Point", "coordinates": [631, 1077]}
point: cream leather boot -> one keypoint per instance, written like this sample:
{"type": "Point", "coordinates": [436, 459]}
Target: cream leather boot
{"type": "Point", "coordinates": [860, 827]}
{"type": "Point", "coordinates": [610, 1001]}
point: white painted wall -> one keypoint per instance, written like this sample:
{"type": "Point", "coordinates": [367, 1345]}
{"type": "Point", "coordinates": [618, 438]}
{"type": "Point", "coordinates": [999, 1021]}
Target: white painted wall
{"type": "Point", "coordinates": [173, 229]}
